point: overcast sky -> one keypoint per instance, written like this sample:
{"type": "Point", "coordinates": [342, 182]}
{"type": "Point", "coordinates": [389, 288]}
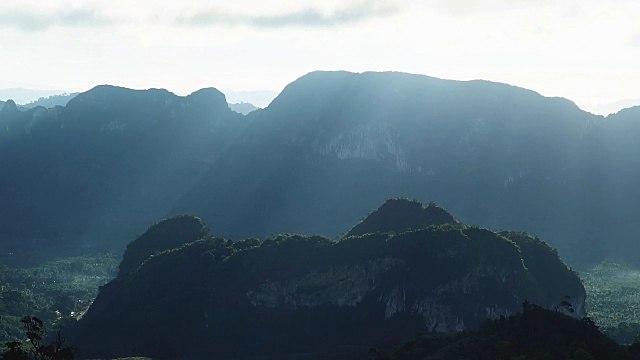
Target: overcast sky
{"type": "Point", "coordinates": [585, 50]}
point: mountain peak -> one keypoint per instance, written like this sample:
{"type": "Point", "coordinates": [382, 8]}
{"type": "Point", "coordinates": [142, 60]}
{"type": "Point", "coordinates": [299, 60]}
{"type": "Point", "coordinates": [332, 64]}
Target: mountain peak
{"type": "Point", "coordinates": [401, 214]}
{"type": "Point", "coordinates": [110, 95]}
{"type": "Point", "coordinates": [164, 235]}
{"type": "Point", "coordinates": [210, 98]}
{"type": "Point", "coordinates": [9, 106]}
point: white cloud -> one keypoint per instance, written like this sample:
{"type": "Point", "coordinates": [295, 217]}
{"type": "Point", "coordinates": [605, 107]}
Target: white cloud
{"type": "Point", "coordinates": [635, 40]}
{"type": "Point", "coordinates": [576, 49]}
{"type": "Point", "coordinates": [305, 17]}
{"type": "Point", "coordinates": [39, 20]}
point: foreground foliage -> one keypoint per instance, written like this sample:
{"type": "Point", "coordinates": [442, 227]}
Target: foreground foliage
{"type": "Point", "coordinates": [36, 333]}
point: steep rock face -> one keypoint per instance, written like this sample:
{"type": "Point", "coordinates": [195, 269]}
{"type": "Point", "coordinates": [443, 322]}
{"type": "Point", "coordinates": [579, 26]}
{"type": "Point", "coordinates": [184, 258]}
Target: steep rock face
{"type": "Point", "coordinates": [292, 294]}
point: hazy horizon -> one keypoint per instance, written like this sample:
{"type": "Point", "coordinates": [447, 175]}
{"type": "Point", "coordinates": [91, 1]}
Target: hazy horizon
{"type": "Point", "coordinates": [578, 50]}
{"type": "Point", "coordinates": [262, 98]}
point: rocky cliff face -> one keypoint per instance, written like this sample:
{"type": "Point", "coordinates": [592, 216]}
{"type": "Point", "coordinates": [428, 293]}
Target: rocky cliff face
{"type": "Point", "coordinates": [294, 294]}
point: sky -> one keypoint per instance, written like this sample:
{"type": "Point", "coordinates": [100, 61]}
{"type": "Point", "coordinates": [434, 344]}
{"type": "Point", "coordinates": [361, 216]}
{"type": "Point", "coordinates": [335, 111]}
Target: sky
{"type": "Point", "coordinates": [583, 50]}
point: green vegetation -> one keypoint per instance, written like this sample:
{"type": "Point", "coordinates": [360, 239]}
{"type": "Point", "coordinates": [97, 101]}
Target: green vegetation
{"type": "Point", "coordinates": [353, 293]}
{"type": "Point", "coordinates": [56, 292]}
{"type": "Point", "coordinates": [39, 347]}
{"type": "Point", "coordinates": [613, 300]}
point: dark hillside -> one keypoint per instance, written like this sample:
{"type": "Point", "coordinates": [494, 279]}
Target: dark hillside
{"type": "Point", "coordinates": [399, 215]}
{"type": "Point", "coordinates": [293, 295]}
{"type": "Point", "coordinates": [535, 333]}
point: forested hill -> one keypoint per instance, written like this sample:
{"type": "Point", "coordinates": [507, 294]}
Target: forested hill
{"type": "Point", "coordinates": [184, 293]}
{"type": "Point", "coordinates": [330, 147]}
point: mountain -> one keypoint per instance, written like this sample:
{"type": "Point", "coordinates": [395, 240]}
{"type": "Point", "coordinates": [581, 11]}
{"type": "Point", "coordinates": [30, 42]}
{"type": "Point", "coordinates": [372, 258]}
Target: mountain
{"type": "Point", "coordinates": [9, 108]}
{"type": "Point", "coordinates": [184, 293]}
{"type": "Point", "coordinates": [90, 174]}
{"type": "Point", "coordinates": [259, 98]}
{"type": "Point", "coordinates": [614, 107]}
{"type": "Point", "coordinates": [243, 108]}
{"type": "Point", "coordinates": [397, 215]}
{"type": "Point", "coordinates": [50, 101]}
{"type": "Point", "coordinates": [23, 96]}
{"type": "Point", "coordinates": [334, 144]}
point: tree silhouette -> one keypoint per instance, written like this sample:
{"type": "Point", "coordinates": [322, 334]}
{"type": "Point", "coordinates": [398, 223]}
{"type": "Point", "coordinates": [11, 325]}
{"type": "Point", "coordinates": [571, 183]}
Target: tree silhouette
{"type": "Point", "coordinates": [566, 304]}
{"type": "Point", "coordinates": [36, 333]}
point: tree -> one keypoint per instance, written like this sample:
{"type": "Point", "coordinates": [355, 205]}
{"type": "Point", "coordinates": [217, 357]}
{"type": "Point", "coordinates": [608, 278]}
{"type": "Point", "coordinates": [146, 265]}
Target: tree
{"type": "Point", "coordinates": [36, 332]}
{"type": "Point", "coordinates": [566, 305]}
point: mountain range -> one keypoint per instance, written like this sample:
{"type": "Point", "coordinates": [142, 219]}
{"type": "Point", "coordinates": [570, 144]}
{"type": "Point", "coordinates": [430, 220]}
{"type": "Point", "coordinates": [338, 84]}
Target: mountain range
{"type": "Point", "coordinates": [24, 96]}
{"type": "Point", "coordinates": [329, 147]}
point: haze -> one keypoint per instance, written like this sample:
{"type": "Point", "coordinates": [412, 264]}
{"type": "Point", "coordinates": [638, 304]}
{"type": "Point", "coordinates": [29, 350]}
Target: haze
{"type": "Point", "coordinates": [580, 50]}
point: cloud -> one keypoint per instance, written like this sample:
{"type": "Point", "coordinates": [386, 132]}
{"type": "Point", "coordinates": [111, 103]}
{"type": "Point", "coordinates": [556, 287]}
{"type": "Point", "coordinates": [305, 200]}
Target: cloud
{"type": "Point", "coordinates": [635, 40]}
{"type": "Point", "coordinates": [37, 20]}
{"type": "Point", "coordinates": [472, 7]}
{"type": "Point", "coordinates": [308, 17]}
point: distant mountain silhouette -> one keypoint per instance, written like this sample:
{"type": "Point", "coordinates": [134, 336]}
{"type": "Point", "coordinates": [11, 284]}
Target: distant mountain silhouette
{"type": "Point", "coordinates": [329, 148]}
{"type": "Point", "coordinates": [259, 98]}
{"type": "Point", "coordinates": [9, 108]}
{"type": "Point", "coordinates": [243, 108]}
{"type": "Point", "coordinates": [50, 101]}
{"type": "Point", "coordinates": [198, 296]}
{"type": "Point", "coordinates": [23, 96]}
